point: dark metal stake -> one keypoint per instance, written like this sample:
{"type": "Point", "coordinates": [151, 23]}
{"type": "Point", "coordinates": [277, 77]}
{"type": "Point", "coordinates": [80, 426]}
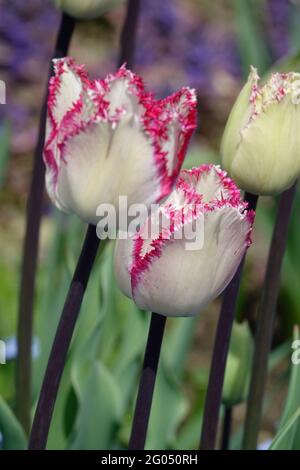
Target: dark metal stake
{"type": "Point", "coordinates": [147, 382]}
{"type": "Point", "coordinates": [128, 36]}
{"type": "Point", "coordinates": [227, 421]}
{"type": "Point", "coordinates": [266, 317]}
{"type": "Point", "coordinates": [220, 352]}
{"type": "Point", "coordinates": [30, 250]}
{"type": "Point", "coordinates": [64, 333]}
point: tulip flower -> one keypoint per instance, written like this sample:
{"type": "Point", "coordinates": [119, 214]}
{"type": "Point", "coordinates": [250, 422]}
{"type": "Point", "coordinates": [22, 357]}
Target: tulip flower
{"type": "Point", "coordinates": [110, 138]}
{"type": "Point", "coordinates": [160, 272]}
{"type": "Point", "coordinates": [87, 9]}
{"type": "Point", "coordinates": [261, 142]}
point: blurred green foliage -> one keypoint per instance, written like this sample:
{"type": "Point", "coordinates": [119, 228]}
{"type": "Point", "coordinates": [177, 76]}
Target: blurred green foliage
{"type": "Point", "coordinates": [4, 150]}
{"type": "Point", "coordinates": [97, 394]}
{"type": "Point", "coordinates": [288, 435]}
{"type": "Point", "coordinates": [238, 367]}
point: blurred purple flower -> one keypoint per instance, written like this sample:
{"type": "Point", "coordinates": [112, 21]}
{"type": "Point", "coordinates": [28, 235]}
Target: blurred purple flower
{"type": "Point", "coordinates": [26, 34]}
{"type": "Point", "coordinates": [178, 43]}
{"type": "Point", "coordinates": [279, 13]}
{"type": "Point", "coordinates": [169, 34]}
{"type": "Point", "coordinates": [25, 28]}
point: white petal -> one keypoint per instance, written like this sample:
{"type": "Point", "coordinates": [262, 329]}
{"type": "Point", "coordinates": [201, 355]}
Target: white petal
{"type": "Point", "coordinates": [182, 282]}
{"type": "Point", "coordinates": [210, 185]}
{"type": "Point", "coordinates": [120, 96]}
{"type": "Point", "coordinates": [267, 160]}
{"type": "Point", "coordinates": [65, 88]}
{"type": "Point", "coordinates": [101, 163]}
{"type": "Point", "coordinates": [181, 122]}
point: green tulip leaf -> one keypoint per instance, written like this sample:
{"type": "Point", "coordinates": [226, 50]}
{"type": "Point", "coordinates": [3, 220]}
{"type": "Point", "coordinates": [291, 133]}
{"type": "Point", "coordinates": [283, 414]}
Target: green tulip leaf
{"type": "Point", "coordinates": [12, 435]}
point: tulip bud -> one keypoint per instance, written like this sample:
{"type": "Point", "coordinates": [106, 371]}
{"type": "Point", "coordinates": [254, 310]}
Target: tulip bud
{"type": "Point", "coordinates": [109, 138]}
{"type": "Point", "coordinates": [261, 143]}
{"type": "Point", "coordinates": [164, 271]}
{"type": "Point", "coordinates": [87, 9]}
{"type": "Point", "coordinates": [238, 366]}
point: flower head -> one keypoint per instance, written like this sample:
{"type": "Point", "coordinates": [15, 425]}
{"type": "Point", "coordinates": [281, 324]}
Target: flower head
{"type": "Point", "coordinates": [110, 138]}
{"type": "Point", "coordinates": [261, 142]}
{"type": "Point", "coordinates": [87, 9]}
{"type": "Point", "coordinates": [162, 272]}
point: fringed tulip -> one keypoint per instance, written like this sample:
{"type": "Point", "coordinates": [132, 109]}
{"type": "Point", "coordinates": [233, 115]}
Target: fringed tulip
{"type": "Point", "coordinates": [167, 275]}
{"type": "Point", "coordinates": [110, 138]}
{"type": "Point", "coordinates": [87, 9]}
{"type": "Point", "coordinates": [261, 142]}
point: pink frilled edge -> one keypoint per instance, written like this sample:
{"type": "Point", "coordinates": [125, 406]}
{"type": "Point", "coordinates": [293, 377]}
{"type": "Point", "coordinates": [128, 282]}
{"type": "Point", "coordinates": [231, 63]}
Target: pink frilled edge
{"type": "Point", "coordinates": [156, 118]}
{"type": "Point", "coordinates": [193, 205]}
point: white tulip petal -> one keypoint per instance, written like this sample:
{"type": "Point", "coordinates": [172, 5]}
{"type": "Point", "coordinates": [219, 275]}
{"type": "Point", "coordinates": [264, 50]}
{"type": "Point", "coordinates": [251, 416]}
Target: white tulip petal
{"type": "Point", "coordinates": [65, 88]}
{"type": "Point", "coordinates": [167, 278]}
{"type": "Point", "coordinates": [88, 174]}
{"type": "Point", "coordinates": [109, 138]}
{"type": "Point", "coordinates": [260, 145]}
{"type": "Point", "coordinates": [194, 278]}
{"type": "Point", "coordinates": [179, 120]}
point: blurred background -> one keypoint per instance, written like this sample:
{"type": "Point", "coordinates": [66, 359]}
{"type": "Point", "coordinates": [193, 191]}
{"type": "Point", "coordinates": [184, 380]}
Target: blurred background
{"type": "Point", "coordinates": [206, 45]}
